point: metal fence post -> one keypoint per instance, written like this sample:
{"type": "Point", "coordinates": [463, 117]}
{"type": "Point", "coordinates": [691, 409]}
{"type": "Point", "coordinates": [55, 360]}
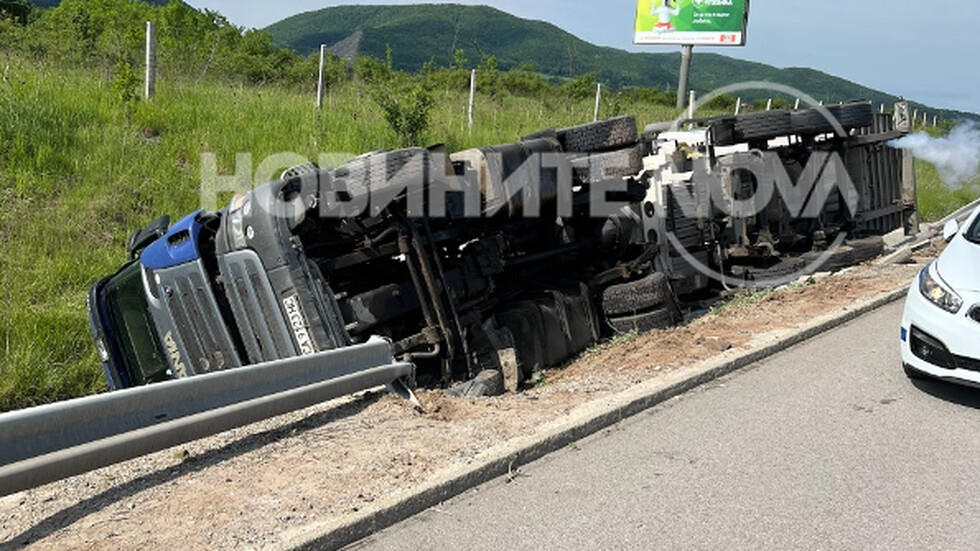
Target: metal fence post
{"type": "Point", "coordinates": [472, 98]}
{"type": "Point", "coordinates": [151, 60]}
{"type": "Point", "coordinates": [319, 85]}
{"type": "Point", "coordinates": [598, 100]}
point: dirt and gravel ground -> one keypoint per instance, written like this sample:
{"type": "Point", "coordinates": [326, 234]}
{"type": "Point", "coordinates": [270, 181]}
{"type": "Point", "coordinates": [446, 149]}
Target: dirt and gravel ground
{"type": "Point", "coordinates": [263, 485]}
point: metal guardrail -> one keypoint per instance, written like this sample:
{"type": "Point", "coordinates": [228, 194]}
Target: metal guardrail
{"type": "Point", "coordinates": [47, 443]}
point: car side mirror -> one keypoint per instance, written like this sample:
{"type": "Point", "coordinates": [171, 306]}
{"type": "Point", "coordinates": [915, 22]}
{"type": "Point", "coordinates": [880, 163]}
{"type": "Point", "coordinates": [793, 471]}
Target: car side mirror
{"type": "Point", "coordinates": [950, 230]}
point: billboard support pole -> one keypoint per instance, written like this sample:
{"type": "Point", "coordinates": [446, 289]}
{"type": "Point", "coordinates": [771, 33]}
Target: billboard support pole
{"type": "Point", "coordinates": [686, 52]}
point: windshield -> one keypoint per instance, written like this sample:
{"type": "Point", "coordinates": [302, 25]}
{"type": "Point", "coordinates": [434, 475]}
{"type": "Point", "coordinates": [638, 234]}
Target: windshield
{"type": "Point", "coordinates": [133, 328]}
{"type": "Point", "coordinates": [972, 234]}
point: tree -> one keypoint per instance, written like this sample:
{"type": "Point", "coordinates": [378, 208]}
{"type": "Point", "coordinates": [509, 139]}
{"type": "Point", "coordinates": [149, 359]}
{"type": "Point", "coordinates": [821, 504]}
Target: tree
{"type": "Point", "coordinates": [406, 109]}
{"type": "Point", "coordinates": [582, 87]}
{"type": "Point", "coordinates": [459, 60]}
{"type": "Point", "coordinates": [16, 10]}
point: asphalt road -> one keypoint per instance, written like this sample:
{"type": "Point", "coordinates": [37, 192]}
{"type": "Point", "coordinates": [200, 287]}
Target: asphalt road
{"type": "Point", "coordinates": [825, 446]}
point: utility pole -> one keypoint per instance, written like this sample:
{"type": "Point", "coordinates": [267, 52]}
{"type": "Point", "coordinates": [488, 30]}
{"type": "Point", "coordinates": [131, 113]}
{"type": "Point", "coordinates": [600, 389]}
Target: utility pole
{"type": "Point", "coordinates": [686, 52]}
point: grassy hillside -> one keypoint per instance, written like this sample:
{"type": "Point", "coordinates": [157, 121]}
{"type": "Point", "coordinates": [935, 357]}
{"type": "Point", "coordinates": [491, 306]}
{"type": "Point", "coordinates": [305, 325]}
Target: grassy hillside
{"type": "Point", "coordinates": [420, 33]}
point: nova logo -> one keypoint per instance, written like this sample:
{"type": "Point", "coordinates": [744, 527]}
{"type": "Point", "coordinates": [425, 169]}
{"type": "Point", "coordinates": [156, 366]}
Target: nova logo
{"type": "Point", "coordinates": [174, 353]}
{"type": "Point", "coordinates": [297, 321]}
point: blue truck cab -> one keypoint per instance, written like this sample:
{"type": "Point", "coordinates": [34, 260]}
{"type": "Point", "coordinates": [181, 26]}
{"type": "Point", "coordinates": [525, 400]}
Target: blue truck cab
{"type": "Point", "coordinates": [214, 291]}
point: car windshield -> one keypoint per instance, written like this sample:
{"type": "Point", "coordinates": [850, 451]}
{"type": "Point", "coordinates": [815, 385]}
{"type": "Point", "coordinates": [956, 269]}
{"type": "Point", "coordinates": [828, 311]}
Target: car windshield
{"type": "Point", "coordinates": [972, 234]}
{"type": "Point", "coordinates": [132, 326]}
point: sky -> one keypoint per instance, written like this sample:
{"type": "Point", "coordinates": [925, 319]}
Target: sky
{"type": "Point", "coordinates": [921, 50]}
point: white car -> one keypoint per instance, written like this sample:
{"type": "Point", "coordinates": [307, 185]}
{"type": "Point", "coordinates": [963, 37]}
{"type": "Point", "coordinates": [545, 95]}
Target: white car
{"type": "Point", "coordinates": [941, 323]}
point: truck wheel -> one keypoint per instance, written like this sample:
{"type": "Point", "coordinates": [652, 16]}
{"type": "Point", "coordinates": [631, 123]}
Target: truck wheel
{"type": "Point", "coordinates": [599, 136]}
{"type": "Point", "coordinates": [785, 268]}
{"type": "Point", "coordinates": [642, 323]}
{"type": "Point", "coordinates": [599, 167]}
{"type": "Point", "coordinates": [863, 250]}
{"type": "Point", "coordinates": [525, 324]}
{"type": "Point", "coordinates": [849, 115]}
{"type": "Point", "coordinates": [811, 122]}
{"type": "Point", "coordinates": [856, 115]}
{"type": "Point", "coordinates": [838, 259]}
{"type": "Point", "coordinates": [852, 252]}
{"type": "Point", "coordinates": [635, 296]}
{"type": "Point", "coordinates": [763, 125]}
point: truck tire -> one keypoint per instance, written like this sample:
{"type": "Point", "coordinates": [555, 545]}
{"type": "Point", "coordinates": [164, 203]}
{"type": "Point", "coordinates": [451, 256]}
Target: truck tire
{"type": "Point", "coordinates": [810, 122]}
{"type": "Point", "coordinates": [604, 135]}
{"type": "Point", "coordinates": [789, 267]}
{"type": "Point", "coordinates": [599, 167]}
{"type": "Point", "coordinates": [849, 115]}
{"type": "Point", "coordinates": [863, 250]}
{"type": "Point", "coordinates": [852, 252]}
{"type": "Point", "coordinates": [856, 115]}
{"type": "Point", "coordinates": [643, 323]}
{"type": "Point", "coordinates": [635, 296]}
{"type": "Point", "coordinates": [525, 324]}
{"type": "Point", "coordinates": [763, 125]}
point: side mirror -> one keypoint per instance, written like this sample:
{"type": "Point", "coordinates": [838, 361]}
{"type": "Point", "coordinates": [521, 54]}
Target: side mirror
{"type": "Point", "coordinates": [950, 230]}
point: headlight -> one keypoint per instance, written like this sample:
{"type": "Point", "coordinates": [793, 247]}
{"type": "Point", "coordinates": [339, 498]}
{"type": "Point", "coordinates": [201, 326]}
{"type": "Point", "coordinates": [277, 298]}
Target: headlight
{"type": "Point", "coordinates": [937, 292]}
{"type": "Point", "coordinates": [240, 205]}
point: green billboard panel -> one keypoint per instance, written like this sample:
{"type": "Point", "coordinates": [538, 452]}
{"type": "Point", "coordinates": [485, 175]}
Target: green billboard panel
{"type": "Point", "coordinates": [696, 22]}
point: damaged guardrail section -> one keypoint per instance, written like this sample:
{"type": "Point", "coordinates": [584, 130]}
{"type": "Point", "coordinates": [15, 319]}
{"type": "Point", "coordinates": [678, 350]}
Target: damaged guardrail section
{"type": "Point", "coordinates": [47, 443]}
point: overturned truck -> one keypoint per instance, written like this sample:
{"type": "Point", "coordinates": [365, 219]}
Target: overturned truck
{"type": "Point", "coordinates": [483, 266]}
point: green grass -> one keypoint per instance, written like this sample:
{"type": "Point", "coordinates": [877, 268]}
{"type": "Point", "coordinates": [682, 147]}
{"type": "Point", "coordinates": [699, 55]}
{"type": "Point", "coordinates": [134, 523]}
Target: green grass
{"type": "Point", "coordinates": [936, 199]}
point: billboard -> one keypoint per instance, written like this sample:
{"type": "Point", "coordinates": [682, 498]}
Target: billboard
{"type": "Point", "coordinates": [696, 22]}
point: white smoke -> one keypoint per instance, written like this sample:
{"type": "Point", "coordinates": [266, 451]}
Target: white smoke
{"type": "Point", "coordinates": [956, 156]}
